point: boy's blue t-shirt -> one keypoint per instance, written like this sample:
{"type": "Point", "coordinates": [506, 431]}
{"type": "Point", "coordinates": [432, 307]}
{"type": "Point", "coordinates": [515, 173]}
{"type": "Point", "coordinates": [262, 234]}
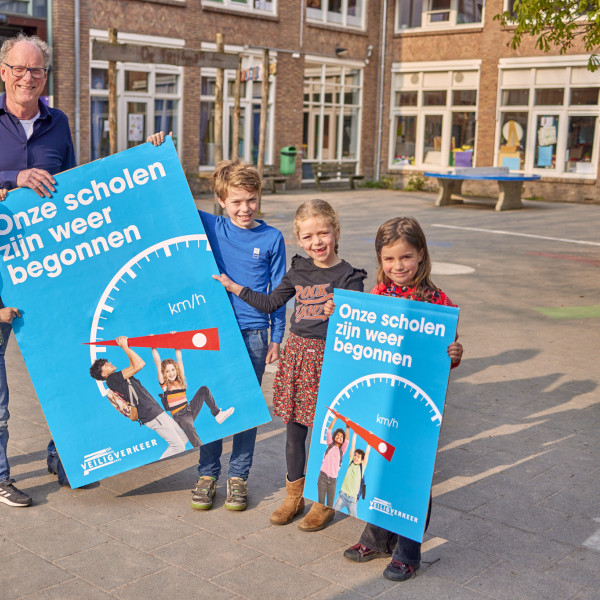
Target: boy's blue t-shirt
{"type": "Point", "coordinates": [254, 258]}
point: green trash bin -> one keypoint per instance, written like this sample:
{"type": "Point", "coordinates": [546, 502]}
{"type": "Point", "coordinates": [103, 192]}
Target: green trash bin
{"type": "Point", "coordinates": [287, 165]}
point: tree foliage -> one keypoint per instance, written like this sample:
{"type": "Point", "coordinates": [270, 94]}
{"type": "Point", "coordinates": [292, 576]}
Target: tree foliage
{"type": "Point", "coordinates": [556, 23]}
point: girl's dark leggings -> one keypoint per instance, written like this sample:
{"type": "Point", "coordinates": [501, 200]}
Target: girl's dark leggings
{"type": "Point", "coordinates": [295, 450]}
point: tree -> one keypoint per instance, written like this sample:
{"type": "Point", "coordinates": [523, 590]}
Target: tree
{"type": "Point", "coordinates": [556, 23]}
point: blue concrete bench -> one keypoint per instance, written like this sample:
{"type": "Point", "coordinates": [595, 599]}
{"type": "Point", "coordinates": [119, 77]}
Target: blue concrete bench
{"type": "Point", "coordinates": [509, 186]}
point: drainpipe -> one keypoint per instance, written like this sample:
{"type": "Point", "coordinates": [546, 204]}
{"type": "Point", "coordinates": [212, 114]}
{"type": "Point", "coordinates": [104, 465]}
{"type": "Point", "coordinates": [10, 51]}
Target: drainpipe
{"type": "Point", "coordinates": [77, 81]}
{"type": "Point", "coordinates": [381, 80]}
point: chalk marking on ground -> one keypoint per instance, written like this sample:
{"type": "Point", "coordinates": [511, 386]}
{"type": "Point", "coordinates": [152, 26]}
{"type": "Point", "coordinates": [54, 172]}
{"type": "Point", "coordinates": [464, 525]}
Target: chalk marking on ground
{"type": "Point", "coordinates": [529, 235]}
{"type": "Point", "coordinates": [594, 540]}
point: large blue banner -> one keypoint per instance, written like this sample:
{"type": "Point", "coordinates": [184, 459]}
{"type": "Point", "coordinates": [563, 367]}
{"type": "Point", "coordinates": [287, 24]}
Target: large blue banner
{"type": "Point", "coordinates": [379, 410]}
{"type": "Point", "coordinates": [117, 262]}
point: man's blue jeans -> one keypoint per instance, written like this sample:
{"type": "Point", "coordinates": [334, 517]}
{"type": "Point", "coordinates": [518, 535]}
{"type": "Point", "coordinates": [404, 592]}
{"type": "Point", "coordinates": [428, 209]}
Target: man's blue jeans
{"type": "Point", "coordinates": [5, 328]}
{"type": "Point", "coordinates": [257, 344]}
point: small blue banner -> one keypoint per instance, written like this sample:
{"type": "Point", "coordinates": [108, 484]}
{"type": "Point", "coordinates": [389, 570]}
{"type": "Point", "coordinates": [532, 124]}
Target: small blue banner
{"type": "Point", "coordinates": [379, 410]}
{"type": "Point", "coordinates": [119, 251]}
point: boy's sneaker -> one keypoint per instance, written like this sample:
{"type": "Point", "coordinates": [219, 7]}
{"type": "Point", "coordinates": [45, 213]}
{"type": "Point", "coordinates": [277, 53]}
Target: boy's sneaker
{"type": "Point", "coordinates": [223, 414]}
{"type": "Point", "coordinates": [12, 496]}
{"type": "Point", "coordinates": [237, 494]}
{"type": "Point", "coordinates": [203, 493]}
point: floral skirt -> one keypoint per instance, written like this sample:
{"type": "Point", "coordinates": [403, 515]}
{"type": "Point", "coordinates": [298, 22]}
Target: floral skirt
{"type": "Point", "coordinates": [296, 383]}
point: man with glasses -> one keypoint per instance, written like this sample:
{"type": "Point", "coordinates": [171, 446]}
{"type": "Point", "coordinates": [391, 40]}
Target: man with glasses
{"type": "Point", "coordinates": [35, 144]}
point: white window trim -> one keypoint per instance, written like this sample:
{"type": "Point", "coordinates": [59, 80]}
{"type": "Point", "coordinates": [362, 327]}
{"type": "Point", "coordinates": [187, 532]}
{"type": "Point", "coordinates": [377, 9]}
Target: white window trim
{"type": "Point", "coordinates": [237, 7]}
{"type": "Point", "coordinates": [319, 61]}
{"type": "Point", "coordinates": [563, 112]}
{"type": "Point", "coordinates": [426, 26]}
{"type": "Point", "coordinates": [323, 20]}
{"type": "Point", "coordinates": [421, 111]}
{"type": "Point", "coordinates": [124, 97]}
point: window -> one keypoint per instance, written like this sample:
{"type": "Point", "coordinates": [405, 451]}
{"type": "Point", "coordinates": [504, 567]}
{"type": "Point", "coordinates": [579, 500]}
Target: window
{"type": "Point", "coordinates": [434, 114]}
{"type": "Point", "coordinates": [250, 98]}
{"type": "Point", "coordinates": [254, 6]}
{"type": "Point", "coordinates": [412, 14]}
{"type": "Point", "coordinates": [33, 8]}
{"type": "Point", "coordinates": [346, 13]}
{"type": "Point", "coordinates": [148, 100]}
{"type": "Point", "coordinates": [548, 119]}
{"type": "Point", "coordinates": [332, 99]}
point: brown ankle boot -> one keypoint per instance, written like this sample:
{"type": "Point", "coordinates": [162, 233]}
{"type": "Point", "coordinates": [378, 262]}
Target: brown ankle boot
{"type": "Point", "coordinates": [292, 505]}
{"type": "Point", "coordinates": [317, 518]}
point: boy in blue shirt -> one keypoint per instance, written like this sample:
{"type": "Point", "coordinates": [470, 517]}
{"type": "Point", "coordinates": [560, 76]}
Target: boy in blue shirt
{"type": "Point", "coordinates": [253, 254]}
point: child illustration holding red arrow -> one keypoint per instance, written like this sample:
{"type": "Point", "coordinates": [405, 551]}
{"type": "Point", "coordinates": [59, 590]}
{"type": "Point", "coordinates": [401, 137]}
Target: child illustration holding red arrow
{"type": "Point", "coordinates": [171, 379]}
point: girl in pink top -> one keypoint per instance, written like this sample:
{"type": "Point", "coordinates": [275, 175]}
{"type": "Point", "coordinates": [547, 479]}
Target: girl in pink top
{"type": "Point", "coordinates": [332, 461]}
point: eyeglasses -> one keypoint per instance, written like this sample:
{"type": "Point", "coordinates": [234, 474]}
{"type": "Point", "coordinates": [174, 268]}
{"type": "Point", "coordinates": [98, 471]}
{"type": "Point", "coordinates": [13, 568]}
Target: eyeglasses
{"type": "Point", "coordinates": [36, 72]}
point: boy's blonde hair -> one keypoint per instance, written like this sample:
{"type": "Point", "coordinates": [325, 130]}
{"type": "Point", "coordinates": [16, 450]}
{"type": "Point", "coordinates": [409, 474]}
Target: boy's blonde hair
{"type": "Point", "coordinates": [318, 208]}
{"type": "Point", "coordinates": [235, 174]}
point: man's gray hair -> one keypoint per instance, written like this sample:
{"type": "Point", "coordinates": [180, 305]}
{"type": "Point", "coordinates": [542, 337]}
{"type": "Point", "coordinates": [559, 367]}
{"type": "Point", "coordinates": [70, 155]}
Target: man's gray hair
{"type": "Point", "coordinates": [32, 39]}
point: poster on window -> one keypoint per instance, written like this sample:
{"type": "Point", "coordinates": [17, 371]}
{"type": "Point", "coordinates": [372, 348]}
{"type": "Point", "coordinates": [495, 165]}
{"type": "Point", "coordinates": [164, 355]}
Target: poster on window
{"type": "Point", "coordinates": [379, 409]}
{"type": "Point", "coordinates": [132, 347]}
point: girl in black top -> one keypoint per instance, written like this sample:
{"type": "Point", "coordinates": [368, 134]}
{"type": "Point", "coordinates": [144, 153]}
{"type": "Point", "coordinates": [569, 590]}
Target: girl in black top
{"type": "Point", "coordinates": [311, 281]}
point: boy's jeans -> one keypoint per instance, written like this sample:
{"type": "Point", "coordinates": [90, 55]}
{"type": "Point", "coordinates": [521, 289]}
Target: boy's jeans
{"type": "Point", "coordinates": [257, 344]}
{"type": "Point", "coordinates": [5, 328]}
{"type": "Point", "coordinates": [343, 500]}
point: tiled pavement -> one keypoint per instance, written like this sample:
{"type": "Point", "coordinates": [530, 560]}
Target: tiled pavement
{"type": "Point", "coordinates": [516, 489]}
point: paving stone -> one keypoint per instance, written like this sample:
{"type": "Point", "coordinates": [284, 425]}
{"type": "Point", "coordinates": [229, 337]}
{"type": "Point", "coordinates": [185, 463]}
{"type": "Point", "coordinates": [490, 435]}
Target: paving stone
{"type": "Point", "coordinates": [59, 537]}
{"type": "Point", "coordinates": [96, 506]}
{"type": "Point", "coordinates": [291, 545]}
{"type": "Point", "coordinates": [172, 583]}
{"type": "Point", "coordinates": [513, 581]}
{"type": "Point", "coordinates": [511, 544]}
{"type": "Point", "coordinates": [364, 578]}
{"type": "Point", "coordinates": [519, 513]}
{"type": "Point", "coordinates": [13, 519]}
{"type": "Point", "coordinates": [111, 565]}
{"type": "Point", "coordinates": [24, 573]}
{"type": "Point", "coordinates": [582, 566]}
{"type": "Point", "coordinates": [454, 562]}
{"type": "Point", "coordinates": [72, 589]}
{"type": "Point", "coordinates": [255, 580]}
{"type": "Point", "coordinates": [147, 529]}
{"type": "Point", "coordinates": [426, 586]}
{"type": "Point", "coordinates": [206, 555]}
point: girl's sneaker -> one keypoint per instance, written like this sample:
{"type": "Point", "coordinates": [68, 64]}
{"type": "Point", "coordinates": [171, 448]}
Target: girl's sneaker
{"type": "Point", "coordinates": [203, 493]}
{"type": "Point", "coordinates": [223, 414]}
{"type": "Point", "coordinates": [399, 571]}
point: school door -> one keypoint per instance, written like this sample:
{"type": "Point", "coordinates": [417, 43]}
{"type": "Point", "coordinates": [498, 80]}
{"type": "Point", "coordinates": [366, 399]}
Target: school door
{"type": "Point", "coordinates": [135, 125]}
{"type": "Point", "coordinates": [433, 141]}
{"type": "Point", "coordinates": [322, 140]}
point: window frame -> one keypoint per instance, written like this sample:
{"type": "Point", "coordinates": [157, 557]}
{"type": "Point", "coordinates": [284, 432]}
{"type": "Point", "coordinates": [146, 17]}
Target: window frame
{"type": "Point", "coordinates": [149, 97]}
{"type": "Point", "coordinates": [247, 101]}
{"type": "Point", "coordinates": [243, 6]}
{"type": "Point", "coordinates": [429, 26]}
{"type": "Point", "coordinates": [321, 16]}
{"type": "Point", "coordinates": [318, 110]}
{"type": "Point", "coordinates": [529, 68]}
{"type": "Point", "coordinates": [422, 111]}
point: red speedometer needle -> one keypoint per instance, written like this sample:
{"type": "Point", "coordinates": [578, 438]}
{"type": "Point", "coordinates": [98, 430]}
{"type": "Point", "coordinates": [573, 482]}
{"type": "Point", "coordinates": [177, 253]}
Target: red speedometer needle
{"type": "Point", "coordinates": [199, 339]}
{"type": "Point", "coordinates": [384, 448]}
